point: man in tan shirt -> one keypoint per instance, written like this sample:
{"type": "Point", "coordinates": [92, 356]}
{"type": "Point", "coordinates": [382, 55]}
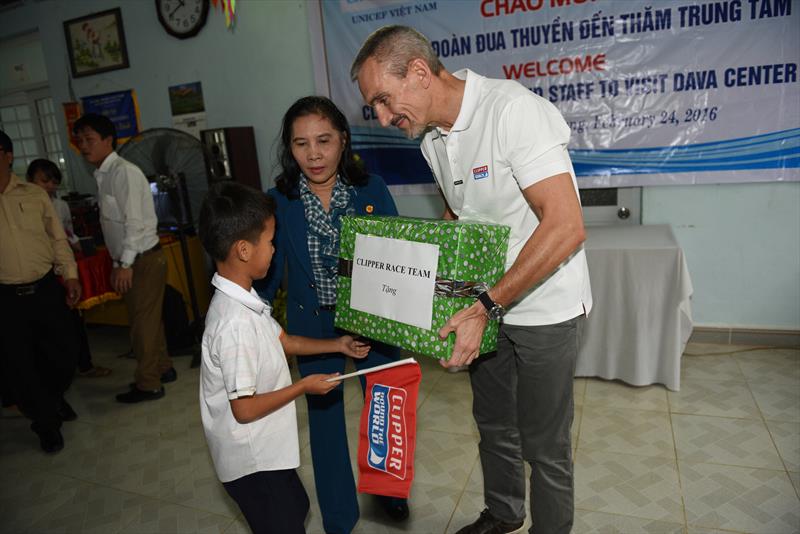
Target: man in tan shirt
{"type": "Point", "coordinates": [38, 341]}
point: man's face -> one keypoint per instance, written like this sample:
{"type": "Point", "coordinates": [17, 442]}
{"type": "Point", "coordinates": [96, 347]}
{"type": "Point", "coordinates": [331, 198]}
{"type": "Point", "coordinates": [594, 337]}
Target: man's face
{"type": "Point", "coordinates": [93, 147]}
{"type": "Point", "coordinates": [400, 102]}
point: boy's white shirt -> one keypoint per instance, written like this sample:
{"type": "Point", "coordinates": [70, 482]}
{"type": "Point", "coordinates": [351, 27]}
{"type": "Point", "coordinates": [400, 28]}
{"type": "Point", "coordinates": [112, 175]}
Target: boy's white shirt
{"type": "Point", "coordinates": [242, 356]}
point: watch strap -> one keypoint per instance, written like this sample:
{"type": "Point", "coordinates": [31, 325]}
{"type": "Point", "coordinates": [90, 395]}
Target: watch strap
{"type": "Point", "coordinates": [487, 301]}
{"type": "Point", "coordinates": [494, 311]}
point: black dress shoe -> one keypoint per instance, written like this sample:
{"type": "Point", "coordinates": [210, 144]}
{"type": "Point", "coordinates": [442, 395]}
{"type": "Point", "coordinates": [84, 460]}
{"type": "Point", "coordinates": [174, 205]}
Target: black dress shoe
{"type": "Point", "coordinates": [137, 395]}
{"type": "Point", "coordinates": [51, 441]}
{"type": "Point", "coordinates": [489, 524]}
{"type": "Point", "coordinates": [168, 376]}
{"type": "Point", "coordinates": [395, 508]}
{"type": "Point", "coordinates": [65, 411]}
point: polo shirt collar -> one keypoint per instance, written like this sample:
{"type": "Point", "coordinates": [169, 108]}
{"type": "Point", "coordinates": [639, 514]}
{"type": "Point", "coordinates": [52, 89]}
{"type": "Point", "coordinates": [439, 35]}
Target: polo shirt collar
{"type": "Point", "coordinates": [469, 103]}
{"type": "Point", "coordinates": [239, 294]}
{"type": "Point", "coordinates": [13, 182]}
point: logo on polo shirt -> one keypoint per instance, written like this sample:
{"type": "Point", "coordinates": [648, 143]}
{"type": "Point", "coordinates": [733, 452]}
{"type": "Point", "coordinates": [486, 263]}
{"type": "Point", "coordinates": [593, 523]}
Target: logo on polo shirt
{"type": "Point", "coordinates": [480, 173]}
{"type": "Point", "coordinates": [386, 430]}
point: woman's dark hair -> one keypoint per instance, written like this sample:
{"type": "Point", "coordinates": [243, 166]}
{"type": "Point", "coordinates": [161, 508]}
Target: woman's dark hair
{"type": "Point", "coordinates": [232, 212]}
{"type": "Point", "coordinates": [350, 171]}
{"type": "Point", "coordinates": [49, 169]}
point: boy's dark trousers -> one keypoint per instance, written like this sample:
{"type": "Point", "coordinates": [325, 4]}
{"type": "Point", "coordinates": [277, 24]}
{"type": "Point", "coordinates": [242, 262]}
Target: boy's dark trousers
{"type": "Point", "coordinates": [39, 346]}
{"type": "Point", "coordinates": [273, 502]}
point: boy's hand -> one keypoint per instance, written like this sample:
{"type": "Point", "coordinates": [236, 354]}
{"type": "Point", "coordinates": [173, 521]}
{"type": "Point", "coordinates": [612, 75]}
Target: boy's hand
{"type": "Point", "coordinates": [317, 385]}
{"type": "Point", "coordinates": [353, 348]}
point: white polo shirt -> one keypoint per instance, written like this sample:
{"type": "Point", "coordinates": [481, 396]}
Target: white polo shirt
{"type": "Point", "coordinates": [505, 139]}
{"type": "Point", "coordinates": [242, 355]}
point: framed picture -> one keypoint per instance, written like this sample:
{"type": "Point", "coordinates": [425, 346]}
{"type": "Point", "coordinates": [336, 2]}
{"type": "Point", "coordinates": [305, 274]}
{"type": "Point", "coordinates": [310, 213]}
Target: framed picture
{"type": "Point", "coordinates": [96, 43]}
{"type": "Point", "coordinates": [186, 98]}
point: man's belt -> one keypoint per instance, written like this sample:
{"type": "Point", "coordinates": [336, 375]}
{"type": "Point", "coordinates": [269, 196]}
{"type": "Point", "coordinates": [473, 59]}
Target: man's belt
{"type": "Point", "coordinates": [155, 247]}
{"type": "Point", "coordinates": [24, 290]}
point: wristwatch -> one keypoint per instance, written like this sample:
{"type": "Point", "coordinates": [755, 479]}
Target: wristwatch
{"type": "Point", "coordinates": [494, 311]}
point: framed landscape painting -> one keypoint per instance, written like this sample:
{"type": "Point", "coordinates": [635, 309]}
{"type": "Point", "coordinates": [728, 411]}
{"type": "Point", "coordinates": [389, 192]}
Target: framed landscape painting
{"type": "Point", "coordinates": [96, 43]}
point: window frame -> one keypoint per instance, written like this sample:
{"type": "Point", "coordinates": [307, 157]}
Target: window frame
{"type": "Point", "coordinates": [30, 98]}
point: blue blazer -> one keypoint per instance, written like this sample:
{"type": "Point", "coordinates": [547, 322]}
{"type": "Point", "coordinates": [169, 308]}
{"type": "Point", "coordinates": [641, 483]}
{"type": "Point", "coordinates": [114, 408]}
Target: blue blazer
{"type": "Point", "coordinates": [303, 315]}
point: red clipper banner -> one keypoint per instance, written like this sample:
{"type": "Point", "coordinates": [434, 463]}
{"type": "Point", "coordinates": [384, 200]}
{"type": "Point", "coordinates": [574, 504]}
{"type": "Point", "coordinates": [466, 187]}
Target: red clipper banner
{"type": "Point", "coordinates": [388, 431]}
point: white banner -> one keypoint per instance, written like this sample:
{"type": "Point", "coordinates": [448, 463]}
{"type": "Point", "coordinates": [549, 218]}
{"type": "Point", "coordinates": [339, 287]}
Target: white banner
{"type": "Point", "coordinates": [664, 92]}
{"type": "Point", "coordinates": [394, 279]}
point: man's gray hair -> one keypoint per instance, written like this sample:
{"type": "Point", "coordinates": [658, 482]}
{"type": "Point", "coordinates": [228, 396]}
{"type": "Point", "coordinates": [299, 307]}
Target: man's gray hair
{"type": "Point", "coordinates": [397, 46]}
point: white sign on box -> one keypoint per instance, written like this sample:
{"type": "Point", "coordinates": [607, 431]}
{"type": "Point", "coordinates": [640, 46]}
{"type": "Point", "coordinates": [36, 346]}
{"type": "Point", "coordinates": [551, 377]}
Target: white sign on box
{"type": "Point", "coordinates": [394, 279]}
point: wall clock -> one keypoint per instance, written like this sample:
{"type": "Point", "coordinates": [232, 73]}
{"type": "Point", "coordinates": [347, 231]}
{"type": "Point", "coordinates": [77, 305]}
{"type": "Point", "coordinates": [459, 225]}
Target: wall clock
{"type": "Point", "coordinates": [182, 18]}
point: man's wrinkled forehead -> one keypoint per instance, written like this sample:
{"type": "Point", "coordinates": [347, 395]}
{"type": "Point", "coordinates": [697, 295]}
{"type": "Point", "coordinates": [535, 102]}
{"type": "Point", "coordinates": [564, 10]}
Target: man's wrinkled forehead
{"type": "Point", "coordinates": [376, 80]}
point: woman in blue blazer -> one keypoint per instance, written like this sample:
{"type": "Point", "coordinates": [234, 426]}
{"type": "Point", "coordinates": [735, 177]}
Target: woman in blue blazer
{"type": "Point", "coordinates": [320, 182]}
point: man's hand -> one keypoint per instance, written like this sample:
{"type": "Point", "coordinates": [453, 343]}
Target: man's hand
{"type": "Point", "coordinates": [318, 384]}
{"type": "Point", "coordinates": [121, 279]}
{"type": "Point", "coordinates": [468, 325]}
{"type": "Point", "coordinates": [353, 348]}
{"type": "Point", "coordinates": [73, 289]}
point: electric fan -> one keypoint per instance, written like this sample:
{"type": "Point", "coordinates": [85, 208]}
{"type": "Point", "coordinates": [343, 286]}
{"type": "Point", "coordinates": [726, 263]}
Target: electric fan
{"type": "Point", "coordinates": [175, 164]}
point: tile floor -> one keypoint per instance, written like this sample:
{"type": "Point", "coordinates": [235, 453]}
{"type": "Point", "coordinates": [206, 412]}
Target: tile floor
{"type": "Point", "coordinates": [723, 455]}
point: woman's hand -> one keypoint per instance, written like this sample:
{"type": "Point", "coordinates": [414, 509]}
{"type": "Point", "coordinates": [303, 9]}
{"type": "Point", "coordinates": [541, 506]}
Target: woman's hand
{"type": "Point", "coordinates": [353, 348]}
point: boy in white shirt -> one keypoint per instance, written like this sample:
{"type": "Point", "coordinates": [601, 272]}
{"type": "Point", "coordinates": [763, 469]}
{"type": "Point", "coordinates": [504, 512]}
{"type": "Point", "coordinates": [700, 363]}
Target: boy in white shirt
{"type": "Point", "coordinates": [246, 393]}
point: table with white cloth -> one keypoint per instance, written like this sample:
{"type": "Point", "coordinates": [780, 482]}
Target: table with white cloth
{"type": "Point", "coordinates": [641, 319]}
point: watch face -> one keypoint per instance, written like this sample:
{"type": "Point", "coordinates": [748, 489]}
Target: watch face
{"type": "Point", "coordinates": [182, 18]}
{"type": "Point", "coordinates": [496, 313]}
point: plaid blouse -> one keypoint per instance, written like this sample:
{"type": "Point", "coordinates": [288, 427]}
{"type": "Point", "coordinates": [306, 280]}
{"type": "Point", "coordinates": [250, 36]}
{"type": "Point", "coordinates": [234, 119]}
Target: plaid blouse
{"type": "Point", "coordinates": [323, 235]}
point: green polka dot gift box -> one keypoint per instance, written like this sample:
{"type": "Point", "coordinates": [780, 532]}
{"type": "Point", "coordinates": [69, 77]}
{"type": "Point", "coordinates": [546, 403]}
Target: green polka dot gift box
{"type": "Point", "coordinates": [470, 259]}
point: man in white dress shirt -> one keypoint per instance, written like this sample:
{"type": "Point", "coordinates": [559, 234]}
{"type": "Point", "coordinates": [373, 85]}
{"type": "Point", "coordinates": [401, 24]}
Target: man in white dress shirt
{"type": "Point", "coordinates": [128, 220]}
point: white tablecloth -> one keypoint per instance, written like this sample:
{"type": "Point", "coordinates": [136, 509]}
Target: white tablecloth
{"type": "Point", "coordinates": [641, 319]}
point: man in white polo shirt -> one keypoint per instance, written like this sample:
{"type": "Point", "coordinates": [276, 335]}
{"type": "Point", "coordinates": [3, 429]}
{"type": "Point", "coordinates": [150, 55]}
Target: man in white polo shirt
{"type": "Point", "coordinates": [499, 155]}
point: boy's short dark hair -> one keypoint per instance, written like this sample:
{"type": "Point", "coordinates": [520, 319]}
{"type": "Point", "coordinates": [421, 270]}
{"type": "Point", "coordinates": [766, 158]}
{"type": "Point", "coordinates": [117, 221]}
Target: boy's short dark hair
{"type": "Point", "coordinates": [99, 123]}
{"type": "Point", "coordinates": [46, 166]}
{"type": "Point", "coordinates": [5, 142]}
{"type": "Point", "coordinates": [232, 212]}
